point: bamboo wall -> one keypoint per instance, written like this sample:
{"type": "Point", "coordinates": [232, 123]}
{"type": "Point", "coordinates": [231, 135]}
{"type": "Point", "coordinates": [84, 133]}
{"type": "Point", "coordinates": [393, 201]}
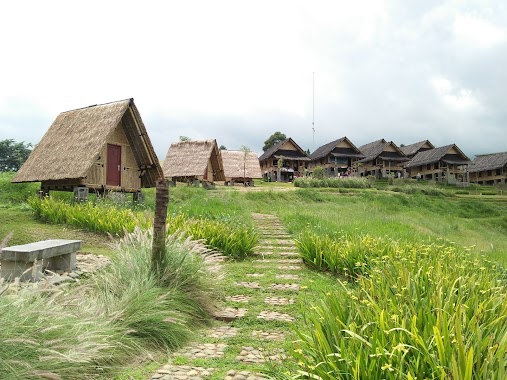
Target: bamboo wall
{"type": "Point", "coordinates": [130, 180]}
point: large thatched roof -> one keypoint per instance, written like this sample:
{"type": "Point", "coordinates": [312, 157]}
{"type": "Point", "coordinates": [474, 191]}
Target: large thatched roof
{"type": "Point", "coordinates": [488, 162]}
{"type": "Point", "coordinates": [75, 139]}
{"type": "Point", "coordinates": [276, 152]}
{"type": "Point", "coordinates": [332, 149]}
{"type": "Point", "coordinates": [190, 159]}
{"type": "Point", "coordinates": [378, 149]}
{"type": "Point", "coordinates": [440, 154]}
{"type": "Point", "coordinates": [413, 149]}
{"type": "Point", "coordinates": [236, 160]}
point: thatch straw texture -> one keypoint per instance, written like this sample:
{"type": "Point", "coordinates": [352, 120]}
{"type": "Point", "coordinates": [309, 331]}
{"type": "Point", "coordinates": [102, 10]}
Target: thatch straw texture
{"type": "Point", "coordinates": [190, 159]}
{"type": "Point", "coordinates": [75, 139]}
{"type": "Point", "coordinates": [237, 164]}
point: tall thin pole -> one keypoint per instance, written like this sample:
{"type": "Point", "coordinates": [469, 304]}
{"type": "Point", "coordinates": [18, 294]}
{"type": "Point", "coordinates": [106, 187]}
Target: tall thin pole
{"type": "Point", "coordinates": [313, 109]}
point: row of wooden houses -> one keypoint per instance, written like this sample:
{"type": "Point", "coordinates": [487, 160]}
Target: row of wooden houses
{"type": "Point", "coordinates": [106, 148]}
{"type": "Point", "coordinates": [381, 158]}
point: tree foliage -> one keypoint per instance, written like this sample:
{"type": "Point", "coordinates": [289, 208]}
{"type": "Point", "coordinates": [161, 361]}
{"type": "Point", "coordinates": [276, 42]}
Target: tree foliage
{"type": "Point", "coordinates": [13, 155]}
{"type": "Point", "coordinates": [222, 147]}
{"type": "Point", "coordinates": [185, 138]}
{"type": "Point", "coordinates": [274, 139]}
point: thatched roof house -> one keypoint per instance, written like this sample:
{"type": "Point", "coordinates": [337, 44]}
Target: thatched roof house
{"type": "Point", "coordinates": [447, 163]}
{"type": "Point", "coordinates": [336, 157]}
{"type": "Point", "coordinates": [295, 160]}
{"type": "Point", "coordinates": [240, 166]}
{"type": "Point", "coordinates": [103, 147]}
{"type": "Point", "coordinates": [412, 149]}
{"type": "Point", "coordinates": [489, 168]}
{"type": "Point", "coordinates": [381, 158]}
{"type": "Point", "coordinates": [194, 160]}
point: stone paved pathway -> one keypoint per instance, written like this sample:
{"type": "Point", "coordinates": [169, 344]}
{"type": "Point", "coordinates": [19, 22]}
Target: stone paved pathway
{"type": "Point", "coordinates": [261, 295]}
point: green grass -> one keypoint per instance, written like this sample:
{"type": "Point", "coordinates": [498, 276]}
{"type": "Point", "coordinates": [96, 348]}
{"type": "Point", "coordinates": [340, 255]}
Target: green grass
{"type": "Point", "coordinates": [381, 235]}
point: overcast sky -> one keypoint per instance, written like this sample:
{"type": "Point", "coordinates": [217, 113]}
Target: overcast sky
{"type": "Point", "coordinates": [239, 70]}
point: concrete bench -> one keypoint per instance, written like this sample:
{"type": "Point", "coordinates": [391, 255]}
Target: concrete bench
{"type": "Point", "coordinates": [27, 261]}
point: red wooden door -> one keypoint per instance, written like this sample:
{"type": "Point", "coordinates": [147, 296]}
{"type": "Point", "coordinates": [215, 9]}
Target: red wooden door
{"type": "Point", "coordinates": [113, 170]}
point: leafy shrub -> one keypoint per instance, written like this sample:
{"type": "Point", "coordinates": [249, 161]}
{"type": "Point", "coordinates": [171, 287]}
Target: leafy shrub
{"type": "Point", "coordinates": [15, 193]}
{"type": "Point", "coordinates": [319, 172]}
{"type": "Point", "coordinates": [352, 182]}
{"type": "Point", "coordinates": [488, 192]}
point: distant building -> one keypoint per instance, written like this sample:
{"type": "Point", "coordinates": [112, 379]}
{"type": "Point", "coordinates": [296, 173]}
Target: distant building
{"type": "Point", "coordinates": [381, 158]}
{"type": "Point", "coordinates": [337, 157]}
{"type": "Point", "coordinates": [189, 161]}
{"type": "Point", "coordinates": [489, 169]}
{"type": "Point", "coordinates": [240, 166]}
{"type": "Point", "coordinates": [445, 164]}
{"type": "Point", "coordinates": [293, 159]}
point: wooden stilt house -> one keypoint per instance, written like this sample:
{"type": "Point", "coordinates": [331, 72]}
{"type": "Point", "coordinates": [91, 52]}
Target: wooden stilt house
{"type": "Point", "coordinates": [240, 166]}
{"type": "Point", "coordinates": [102, 148]}
{"type": "Point", "coordinates": [292, 158]}
{"type": "Point", "coordinates": [489, 169]}
{"type": "Point", "coordinates": [189, 161]}
{"type": "Point", "coordinates": [444, 164]}
{"type": "Point", "coordinates": [337, 157]}
{"type": "Point", "coordinates": [381, 159]}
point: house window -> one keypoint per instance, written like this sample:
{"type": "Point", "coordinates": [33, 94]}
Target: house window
{"type": "Point", "coordinates": [498, 171]}
{"type": "Point", "coordinates": [428, 167]}
{"type": "Point", "coordinates": [275, 162]}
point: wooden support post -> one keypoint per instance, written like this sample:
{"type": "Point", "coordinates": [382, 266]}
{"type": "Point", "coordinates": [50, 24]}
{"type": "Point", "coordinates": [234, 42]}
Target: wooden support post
{"type": "Point", "coordinates": [159, 226]}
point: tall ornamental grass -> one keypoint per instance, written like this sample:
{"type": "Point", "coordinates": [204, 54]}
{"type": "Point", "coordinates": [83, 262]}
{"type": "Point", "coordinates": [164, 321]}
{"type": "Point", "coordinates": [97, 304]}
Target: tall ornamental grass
{"type": "Point", "coordinates": [99, 327]}
{"type": "Point", "coordinates": [421, 312]}
{"type": "Point", "coordinates": [231, 237]}
{"type": "Point", "coordinates": [352, 182]}
{"type": "Point", "coordinates": [348, 255]}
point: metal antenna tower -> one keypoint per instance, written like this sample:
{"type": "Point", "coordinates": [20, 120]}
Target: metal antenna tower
{"type": "Point", "coordinates": [313, 109]}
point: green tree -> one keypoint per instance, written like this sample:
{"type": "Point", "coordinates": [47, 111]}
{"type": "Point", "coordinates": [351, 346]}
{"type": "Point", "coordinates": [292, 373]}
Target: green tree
{"type": "Point", "coordinates": [222, 147]}
{"type": "Point", "coordinates": [13, 155]}
{"type": "Point", "coordinates": [274, 139]}
{"type": "Point", "coordinates": [185, 138]}
{"type": "Point", "coordinates": [319, 172]}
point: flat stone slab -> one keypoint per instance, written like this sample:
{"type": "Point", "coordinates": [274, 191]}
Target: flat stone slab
{"type": "Point", "coordinates": [230, 314]}
{"type": "Point", "coordinates": [286, 287]}
{"type": "Point", "coordinates": [290, 267]}
{"type": "Point", "coordinates": [249, 285]}
{"type": "Point", "coordinates": [203, 351]}
{"type": "Point", "coordinates": [182, 372]}
{"type": "Point", "coordinates": [268, 335]}
{"type": "Point", "coordinates": [286, 252]}
{"type": "Point", "coordinates": [287, 276]}
{"type": "Point", "coordinates": [278, 301]}
{"type": "Point", "coordinates": [263, 261]}
{"type": "Point", "coordinates": [269, 315]}
{"type": "Point", "coordinates": [223, 332]}
{"type": "Point", "coordinates": [266, 253]}
{"type": "Point", "coordinates": [257, 355]}
{"type": "Point", "coordinates": [255, 275]}
{"type": "Point", "coordinates": [39, 250]}
{"type": "Point", "coordinates": [290, 261]}
{"type": "Point", "coordinates": [244, 375]}
{"type": "Point", "coordinates": [239, 298]}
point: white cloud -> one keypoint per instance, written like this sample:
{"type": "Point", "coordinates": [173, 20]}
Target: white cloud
{"type": "Point", "coordinates": [458, 99]}
{"type": "Point", "coordinates": [478, 31]}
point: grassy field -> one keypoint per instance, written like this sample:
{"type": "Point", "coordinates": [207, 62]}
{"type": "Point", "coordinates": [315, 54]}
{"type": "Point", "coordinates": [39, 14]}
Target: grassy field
{"type": "Point", "coordinates": [402, 218]}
